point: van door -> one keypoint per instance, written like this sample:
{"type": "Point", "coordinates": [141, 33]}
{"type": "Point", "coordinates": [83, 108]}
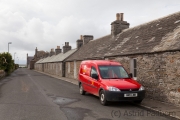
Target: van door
{"type": "Point", "coordinates": [84, 77]}
{"type": "Point", "coordinates": [93, 83]}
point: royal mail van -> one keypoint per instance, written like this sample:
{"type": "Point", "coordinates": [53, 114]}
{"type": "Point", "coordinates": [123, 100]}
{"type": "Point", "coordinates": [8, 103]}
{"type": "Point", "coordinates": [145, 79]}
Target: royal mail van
{"type": "Point", "coordinates": [110, 81]}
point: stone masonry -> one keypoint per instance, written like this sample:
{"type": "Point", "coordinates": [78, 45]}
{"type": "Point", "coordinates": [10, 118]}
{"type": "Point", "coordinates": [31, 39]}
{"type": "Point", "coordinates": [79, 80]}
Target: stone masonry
{"type": "Point", "coordinates": [158, 73]}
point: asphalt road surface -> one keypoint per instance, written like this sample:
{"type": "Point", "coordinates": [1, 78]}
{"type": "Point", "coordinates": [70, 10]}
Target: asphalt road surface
{"type": "Point", "coordinates": [29, 95]}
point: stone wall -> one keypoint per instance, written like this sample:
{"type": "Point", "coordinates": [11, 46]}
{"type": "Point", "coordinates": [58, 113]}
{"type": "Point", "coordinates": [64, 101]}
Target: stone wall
{"type": "Point", "coordinates": [45, 67]}
{"type": "Point", "coordinates": [77, 68]}
{"type": "Point", "coordinates": [50, 68]}
{"type": "Point", "coordinates": [58, 69]}
{"type": "Point", "coordinates": [32, 63]}
{"type": "Point", "coordinates": [38, 67]}
{"type": "Point", "coordinates": [69, 70]}
{"type": "Point", "coordinates": [125, 61]}
{"type": "Point", "coordinates": [71, 73]}
{"type": "Point", "coordinates": [158, 73]}
{"type": "Point", "coordinates": [163, 76]}
{"type": "Point", "coordinates": [2, 74]}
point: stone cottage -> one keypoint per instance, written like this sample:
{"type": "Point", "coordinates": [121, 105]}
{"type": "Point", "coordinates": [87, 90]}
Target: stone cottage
{"type": "Point", "coordinates": [32, 60]}
{"type": "Point", "coordinates": [150, 51]}
{"type": "Point", "coordinates": [54, 63]}
{"type": "Point", "coordinates": [29, 58]}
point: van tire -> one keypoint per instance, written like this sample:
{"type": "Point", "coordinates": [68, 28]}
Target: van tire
{"type": "Point", "coordinates": [81, 90]}
{"type": "Point", "coordinates": [102, 98]}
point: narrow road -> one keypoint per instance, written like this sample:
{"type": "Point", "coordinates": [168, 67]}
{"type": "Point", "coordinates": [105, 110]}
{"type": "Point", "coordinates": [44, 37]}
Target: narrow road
{"type": "Point", "coordinates": [29, 95]}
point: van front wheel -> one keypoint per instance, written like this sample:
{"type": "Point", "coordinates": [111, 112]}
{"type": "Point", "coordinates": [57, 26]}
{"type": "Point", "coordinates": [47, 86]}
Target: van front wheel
{"type": "Point", "coordinates": [102, 98]}
{"type": "Point", "coordinates": [81, 90]}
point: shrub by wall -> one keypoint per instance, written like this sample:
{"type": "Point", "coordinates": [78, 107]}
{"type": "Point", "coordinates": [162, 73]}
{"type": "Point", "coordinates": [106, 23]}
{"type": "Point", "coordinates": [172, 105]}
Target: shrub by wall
{"type": "Point", "coordinates": [6, 62]}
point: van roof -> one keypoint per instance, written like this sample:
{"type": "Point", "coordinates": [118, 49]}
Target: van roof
{"type": "Point", "coordinates": [101, 62]}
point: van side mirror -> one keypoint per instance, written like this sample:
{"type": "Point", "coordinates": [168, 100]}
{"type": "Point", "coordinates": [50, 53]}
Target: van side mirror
{"type": "Point", "coordinates": [130, 75]}
{"type": "Point", "coordinates": [95, 76]}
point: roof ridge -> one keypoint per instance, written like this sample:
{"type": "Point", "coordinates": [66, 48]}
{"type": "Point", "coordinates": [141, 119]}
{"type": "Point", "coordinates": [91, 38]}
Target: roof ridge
{"type": "Point", "coordinates": [150, 22]}
{"type": "Point", "coordinates": [100, 38]}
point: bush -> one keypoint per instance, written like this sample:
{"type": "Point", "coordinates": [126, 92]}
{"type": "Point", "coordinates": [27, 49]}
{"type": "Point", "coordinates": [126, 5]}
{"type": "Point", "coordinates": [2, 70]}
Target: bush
{"type": "Point", "coordinates": [16, 66]}
{"type": "Point", "coordinates": [6, 62]}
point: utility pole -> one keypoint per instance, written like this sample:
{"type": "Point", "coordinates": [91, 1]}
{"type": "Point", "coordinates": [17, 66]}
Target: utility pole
{"type": "Point", "coordinates": [14, 57]}
{"type": "Point", "coordinates": [8, 45]}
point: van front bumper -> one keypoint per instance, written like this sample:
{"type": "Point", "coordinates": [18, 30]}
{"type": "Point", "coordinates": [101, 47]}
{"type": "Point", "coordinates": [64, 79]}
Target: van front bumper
{"type": "Point", "coordinates": [120, 95]}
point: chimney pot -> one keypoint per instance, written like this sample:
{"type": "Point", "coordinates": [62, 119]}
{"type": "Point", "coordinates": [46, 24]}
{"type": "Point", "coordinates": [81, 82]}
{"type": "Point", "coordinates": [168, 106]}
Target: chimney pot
{"type": "Point", "coordinates": [117, 16]}
{"type": "Point", "coordinates": [121, 16]}
{"type": "Point", "coordinates": [66, 43]}
{"type": "Point", "coordinates": [81, 37]}
{"type": "Point", "coordinates": [52, 49]}
{"type": "Point", "coordinates": [58, 47]}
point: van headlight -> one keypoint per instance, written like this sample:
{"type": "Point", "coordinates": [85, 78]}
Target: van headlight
{"type": "Point", "coordinates": [113, 88]}
{"type": "Point", "coordinates": [141, 88]}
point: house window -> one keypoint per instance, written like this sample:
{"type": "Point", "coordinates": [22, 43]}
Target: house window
{"type": "Point", "coordinates": [69, 67]}
{"type": "Point", "coordinates": [133, 67]}
{"type": "Point", "coordinates": [75, 70]}
{"type": "Point", "coordinates": [60, 66]}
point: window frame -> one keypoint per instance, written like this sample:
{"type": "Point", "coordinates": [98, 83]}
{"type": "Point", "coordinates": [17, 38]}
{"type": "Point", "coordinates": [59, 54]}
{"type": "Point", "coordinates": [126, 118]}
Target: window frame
{"type": "Point", "coordinates": [92, 67]}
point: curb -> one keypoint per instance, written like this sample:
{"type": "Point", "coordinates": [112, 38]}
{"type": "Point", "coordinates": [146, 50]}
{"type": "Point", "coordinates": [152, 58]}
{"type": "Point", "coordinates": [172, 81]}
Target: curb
{"type": "Point", "coordinates": [159, 111]}
{"type": "Point", "coordinates": [61, 78]}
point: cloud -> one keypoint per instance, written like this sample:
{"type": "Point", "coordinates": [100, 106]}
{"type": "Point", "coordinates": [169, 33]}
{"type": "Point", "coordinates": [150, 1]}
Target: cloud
{"type": "Point", "coordinates": [46, 24]}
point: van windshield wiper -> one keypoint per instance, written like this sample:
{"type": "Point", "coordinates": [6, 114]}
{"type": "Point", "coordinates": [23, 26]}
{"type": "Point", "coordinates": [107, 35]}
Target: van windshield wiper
{"type": "Point", "coordinates": [118, 78]}
{"type": "Point", "coordinates": [114, 78]}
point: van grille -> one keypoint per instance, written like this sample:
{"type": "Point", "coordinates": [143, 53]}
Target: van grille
{"type": "Point", "coordinates": [129, 89]}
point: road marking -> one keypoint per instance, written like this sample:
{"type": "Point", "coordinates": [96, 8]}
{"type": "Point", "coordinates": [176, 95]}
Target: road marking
{"type": "Point", "coordinates": [25, 87]}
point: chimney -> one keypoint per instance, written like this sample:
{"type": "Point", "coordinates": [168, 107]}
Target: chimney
{"type": "Point", "coordinates": [117, 16]}
{"type": "Point", "coordinates": [79, 42]}
{"type": "Point", "coordinates": [47, 54]}
{"type": "Point", "coordinates": [27, 60]}
{"type": "Point", "coordinates": [66, 47]}
{"type": "Point", "coordinates": [87, 38]}
{"type": "Point", "coordinates": [121, 16]}
{"type": "Point", "coordinates": [36, 51]}
{"type": "Point", "coordinates": [52, 52]}
{"type": "Point", "coordinates": [81, 37]}
{"type": "Point", "coordinates": [119, 24]}
{"type": "Point", "coordinates": [58, 50]}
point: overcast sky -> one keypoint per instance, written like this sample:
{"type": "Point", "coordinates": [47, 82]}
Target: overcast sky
{"type": "Point", "coordinates": [46, 24]}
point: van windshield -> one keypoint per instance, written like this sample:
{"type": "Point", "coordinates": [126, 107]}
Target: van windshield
{"type": "Point", "coordinates": [113, 72]}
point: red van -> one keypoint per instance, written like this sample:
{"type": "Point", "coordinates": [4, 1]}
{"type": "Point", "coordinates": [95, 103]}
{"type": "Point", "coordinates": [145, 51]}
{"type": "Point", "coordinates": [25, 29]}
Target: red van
{"type": "Point", "coordinates": [110, 81]}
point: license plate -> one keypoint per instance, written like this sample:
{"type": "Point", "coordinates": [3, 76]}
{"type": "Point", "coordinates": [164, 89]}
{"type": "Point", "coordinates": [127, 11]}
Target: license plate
{"type": "Point", "coordinates": [130, 95]}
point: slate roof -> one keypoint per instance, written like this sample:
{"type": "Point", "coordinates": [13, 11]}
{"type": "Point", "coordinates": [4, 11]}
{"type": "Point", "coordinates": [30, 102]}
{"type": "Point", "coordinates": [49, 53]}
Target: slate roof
{"type": "Point", "coordinates": [40, 53]}
{"type": "Point", "coordinates": [156, 36]}
{"type": "Point", "coordinates": [57, 58]}
{"type": "Point", "coordinates": [93, 49]}
{"type": "Point", "coordinates": [39, 61]}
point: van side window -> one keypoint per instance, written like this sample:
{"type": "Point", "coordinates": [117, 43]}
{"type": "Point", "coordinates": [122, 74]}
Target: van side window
{"type": "Point", "coordinates": [93, 71]}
